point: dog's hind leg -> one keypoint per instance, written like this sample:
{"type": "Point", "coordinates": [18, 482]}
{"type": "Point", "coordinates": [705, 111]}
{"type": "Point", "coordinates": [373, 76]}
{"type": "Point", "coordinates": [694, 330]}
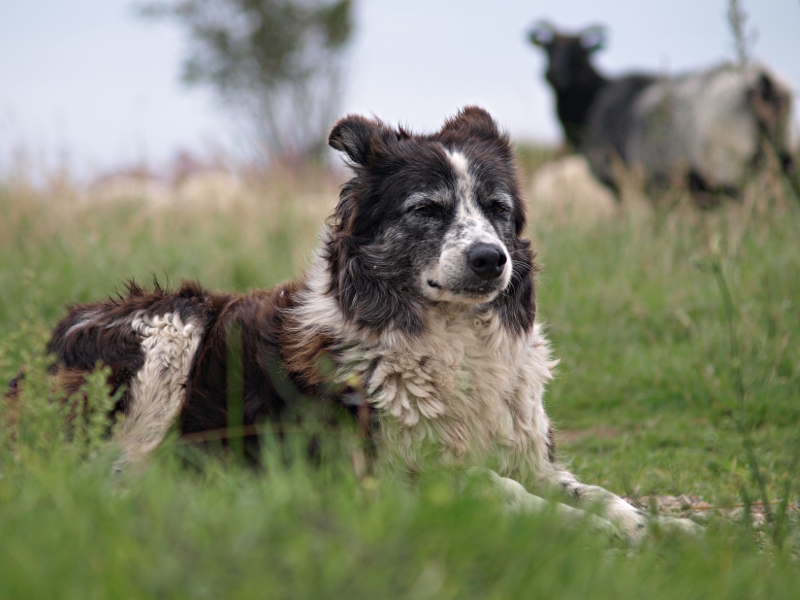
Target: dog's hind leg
{"type": "Point", "coordinates": [158, 389]}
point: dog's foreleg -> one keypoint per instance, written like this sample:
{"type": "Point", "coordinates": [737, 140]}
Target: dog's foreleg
{"type": "Point", "coordinates": [631, 521]}
{"type": "Point", "coordinates": [517, 498]}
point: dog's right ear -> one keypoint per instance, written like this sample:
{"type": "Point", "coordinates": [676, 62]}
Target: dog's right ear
{"type": "Point", "coordinates": [355, 136]}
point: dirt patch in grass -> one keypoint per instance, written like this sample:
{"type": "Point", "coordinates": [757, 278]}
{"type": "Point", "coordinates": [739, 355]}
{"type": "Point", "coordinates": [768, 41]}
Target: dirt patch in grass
{"type": "Point", "coordinates": [694, 507]}
{"type": "Point", "coordinates": [575, 435]}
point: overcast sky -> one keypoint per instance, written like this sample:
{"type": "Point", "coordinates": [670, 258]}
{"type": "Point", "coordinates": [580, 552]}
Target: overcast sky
{"type": "Point", "coordinates": [89, 80]}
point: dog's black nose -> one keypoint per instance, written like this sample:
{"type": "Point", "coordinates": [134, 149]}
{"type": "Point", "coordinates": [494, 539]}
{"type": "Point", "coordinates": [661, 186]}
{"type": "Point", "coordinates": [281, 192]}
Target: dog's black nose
{"type": "Point", "coordinates": [486, 260]}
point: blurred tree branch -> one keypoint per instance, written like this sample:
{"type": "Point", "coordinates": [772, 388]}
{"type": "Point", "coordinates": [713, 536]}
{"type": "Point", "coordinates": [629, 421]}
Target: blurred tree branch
{"type": "Point", "coordinates": [742, 41]}
{"type": "Point", "coordinates": [278, 63]}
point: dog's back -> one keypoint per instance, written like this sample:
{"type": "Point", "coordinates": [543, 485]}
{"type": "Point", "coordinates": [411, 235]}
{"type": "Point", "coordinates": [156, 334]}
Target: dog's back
{"type": "Point", "coordinates": [170, 352]}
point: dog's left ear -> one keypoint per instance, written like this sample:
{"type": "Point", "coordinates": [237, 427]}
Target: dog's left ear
{"type": "Point", "coordinates": [473, 121]}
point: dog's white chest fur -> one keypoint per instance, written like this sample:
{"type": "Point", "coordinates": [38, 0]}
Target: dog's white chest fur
{"type": "Point", "coordinates": [466, 385]}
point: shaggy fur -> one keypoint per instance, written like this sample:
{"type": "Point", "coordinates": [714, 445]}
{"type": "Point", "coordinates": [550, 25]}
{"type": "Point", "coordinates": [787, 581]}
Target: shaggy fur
{"type": "Point", "coordinates": [417, 317]}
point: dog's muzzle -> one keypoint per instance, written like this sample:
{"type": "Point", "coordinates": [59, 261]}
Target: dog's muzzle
{"type": "Point", "coordinates": [470, 274]}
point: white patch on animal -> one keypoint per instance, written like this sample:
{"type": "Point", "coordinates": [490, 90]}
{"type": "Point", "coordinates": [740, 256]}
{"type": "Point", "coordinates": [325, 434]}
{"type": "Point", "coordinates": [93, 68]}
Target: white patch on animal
{"type": "Point", "coordinates": [708, 123]}
{"type": "Point", "coordinates": [158, 389]}
{"type": "Point", "coordinates": [87, 320]}
{"type": "Point", "coordinates": [460, 163]}
{"type": "Point", "coordinates": [90, 317]}
{"type": "Point", "coordinates": [471, 227]}
{"type": "Point", "coordinates": [464, 187]}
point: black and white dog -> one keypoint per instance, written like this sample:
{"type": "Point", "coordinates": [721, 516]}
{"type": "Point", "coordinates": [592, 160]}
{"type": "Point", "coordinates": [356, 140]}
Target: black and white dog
{"type": "Point", "coordinates": [417, 315]}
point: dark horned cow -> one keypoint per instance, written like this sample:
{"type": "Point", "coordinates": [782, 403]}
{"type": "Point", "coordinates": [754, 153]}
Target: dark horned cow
{"type": "Point", "coordinates": [417, 316]}
{"type": "Point", "coordinates": [704, 129]}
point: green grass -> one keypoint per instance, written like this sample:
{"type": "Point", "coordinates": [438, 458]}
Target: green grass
{"type": "Point", "coordinates": [645, 398]}
{"type": "Point", "coordinates": [638, 319]}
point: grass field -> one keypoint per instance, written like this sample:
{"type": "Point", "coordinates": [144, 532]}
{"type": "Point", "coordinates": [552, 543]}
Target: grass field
{"type": "Point", "coordinates": [666, 387]}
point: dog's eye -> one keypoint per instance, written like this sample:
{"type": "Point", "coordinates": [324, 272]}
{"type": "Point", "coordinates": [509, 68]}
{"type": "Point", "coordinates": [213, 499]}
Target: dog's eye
{"type": "Point", "coordinates": [431, 209]}
{"type": "Point", "coordinates": [498, 208]}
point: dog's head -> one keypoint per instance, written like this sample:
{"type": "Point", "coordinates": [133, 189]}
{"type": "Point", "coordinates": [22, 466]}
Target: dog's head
{"type": "Point", "coordinates": [427, 220]}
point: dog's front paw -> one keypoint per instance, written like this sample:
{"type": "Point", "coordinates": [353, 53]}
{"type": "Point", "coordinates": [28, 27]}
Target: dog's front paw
{"type": "Point", "coordinates": [641, 526]}
{"type": "Point", "coordinates": [636, 524]}
{"type": "Point", "coordinates": [675, 525]}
